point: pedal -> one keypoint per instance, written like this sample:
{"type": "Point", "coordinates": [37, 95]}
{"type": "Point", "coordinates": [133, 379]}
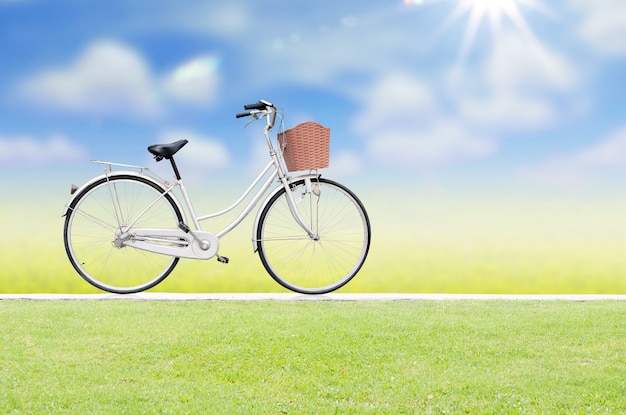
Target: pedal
{"type": "Point", "coordinates": [222, 259]}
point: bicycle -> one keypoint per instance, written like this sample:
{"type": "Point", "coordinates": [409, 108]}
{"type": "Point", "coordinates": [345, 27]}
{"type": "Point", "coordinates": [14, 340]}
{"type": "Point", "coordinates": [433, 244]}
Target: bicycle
{"type": "Point", "coordinates": [125, 231]}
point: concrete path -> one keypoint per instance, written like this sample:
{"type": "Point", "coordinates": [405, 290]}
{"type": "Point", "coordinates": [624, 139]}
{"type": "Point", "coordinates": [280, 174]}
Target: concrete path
{"type": "Point", "coordinates": [156, 296]}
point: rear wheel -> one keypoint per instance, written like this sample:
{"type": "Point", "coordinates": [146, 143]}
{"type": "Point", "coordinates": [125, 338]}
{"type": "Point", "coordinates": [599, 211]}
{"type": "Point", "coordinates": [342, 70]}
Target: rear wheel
{"type": "Point", "coordinates": [98, 218]}
{"type": "Point", "coordinates": [301, 263]}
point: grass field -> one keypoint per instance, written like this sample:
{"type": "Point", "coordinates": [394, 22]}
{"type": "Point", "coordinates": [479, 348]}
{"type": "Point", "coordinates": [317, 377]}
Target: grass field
{"type": "Point", "coordinates": [454, 357]}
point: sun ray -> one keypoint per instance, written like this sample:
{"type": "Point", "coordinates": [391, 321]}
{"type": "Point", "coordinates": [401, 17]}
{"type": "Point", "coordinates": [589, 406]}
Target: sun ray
{"type": "Point", "coordinates": [496, 12]}
{"type": "Point", "coordinates": [541, 7]}
{"type": "Point", "coordinates": [452, 18]}
{"type": "Point", "coordinates": [476, 16]}
{"type": "Point", "coordinates": [515, 15]}
{"type": "Point", "coordinates": [495, 20]}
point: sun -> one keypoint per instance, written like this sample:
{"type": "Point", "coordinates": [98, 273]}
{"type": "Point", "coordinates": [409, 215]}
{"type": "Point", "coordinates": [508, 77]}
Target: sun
{"type": "Point", "coordinates": [489, 5]}
{"type": "Point", "coordinates": [495, 12]}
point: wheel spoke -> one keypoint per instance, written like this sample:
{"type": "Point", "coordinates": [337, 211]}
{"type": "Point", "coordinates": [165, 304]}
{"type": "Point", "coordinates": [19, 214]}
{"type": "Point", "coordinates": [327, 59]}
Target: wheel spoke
{"type": "Point", "coordinates": [304, 265]}
{"type": "Point", "coordinates": [100, 214]}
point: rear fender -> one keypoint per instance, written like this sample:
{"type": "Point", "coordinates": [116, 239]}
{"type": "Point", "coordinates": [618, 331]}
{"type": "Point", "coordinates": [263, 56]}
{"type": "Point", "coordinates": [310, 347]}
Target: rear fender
{"type": "Point", "coordinates": [81, 189]}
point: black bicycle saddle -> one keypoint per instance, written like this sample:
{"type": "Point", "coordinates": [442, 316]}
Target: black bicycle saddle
{"type": "Point", "coordinates": [166, 150]}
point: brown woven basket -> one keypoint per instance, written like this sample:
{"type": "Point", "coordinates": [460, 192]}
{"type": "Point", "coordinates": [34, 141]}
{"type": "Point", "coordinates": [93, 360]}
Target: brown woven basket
{"type": "Point", "coordinates": [305, 146]}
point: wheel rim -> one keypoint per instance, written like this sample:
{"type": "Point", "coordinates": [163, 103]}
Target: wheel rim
{"type": "Point", "coordinates": [312, 266]}
{"type": "Point", "coordinates": [95, 221]}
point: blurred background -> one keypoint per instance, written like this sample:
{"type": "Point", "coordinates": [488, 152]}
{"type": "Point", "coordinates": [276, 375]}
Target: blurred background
{"type": "Point", "coordinates": [486, 138]}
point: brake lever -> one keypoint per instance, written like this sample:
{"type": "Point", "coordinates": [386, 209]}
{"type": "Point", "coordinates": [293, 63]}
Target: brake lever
{"type": "Point", "coordinates": [255, 117]}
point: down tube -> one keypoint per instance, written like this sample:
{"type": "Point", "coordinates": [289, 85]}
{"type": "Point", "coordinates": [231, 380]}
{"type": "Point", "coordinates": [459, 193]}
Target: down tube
{"type": "Point", "coordinates": [250, 206]}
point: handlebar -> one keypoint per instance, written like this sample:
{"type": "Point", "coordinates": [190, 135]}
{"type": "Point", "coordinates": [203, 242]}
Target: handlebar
{"type": "Point", "coordinates": [261, 105]}
{"type": "Point", "coordinates": [255, 108]}
{"type": "Point", "coordinates": [263, 108]}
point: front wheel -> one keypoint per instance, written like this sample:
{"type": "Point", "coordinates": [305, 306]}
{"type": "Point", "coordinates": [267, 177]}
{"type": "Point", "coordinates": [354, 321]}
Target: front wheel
{"type": "Point", "coordinates": [301, 263]}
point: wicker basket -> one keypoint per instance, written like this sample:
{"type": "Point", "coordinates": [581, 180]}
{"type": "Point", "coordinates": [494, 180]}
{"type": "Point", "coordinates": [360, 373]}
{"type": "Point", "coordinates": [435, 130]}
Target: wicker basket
{"type": "Point", "coordinates": [305, 146]}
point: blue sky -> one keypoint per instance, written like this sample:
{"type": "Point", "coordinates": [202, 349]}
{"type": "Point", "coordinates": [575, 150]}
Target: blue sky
{"type": "Point", "coordinates": [514, 93]}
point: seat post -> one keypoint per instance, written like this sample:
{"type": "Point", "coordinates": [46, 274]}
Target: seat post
{"type": "Point", "coordinates": [176, 173]}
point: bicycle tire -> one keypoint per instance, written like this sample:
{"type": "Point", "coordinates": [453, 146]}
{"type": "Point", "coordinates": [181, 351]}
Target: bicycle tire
{"type": "Point", "coordinates": [105, 207]}
{"type": "Point", "coordinates": [307, 266]}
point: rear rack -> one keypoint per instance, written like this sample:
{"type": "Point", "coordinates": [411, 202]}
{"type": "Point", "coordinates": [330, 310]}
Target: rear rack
{"type": "Point", "coordinates": [111, 164]}
{"type": "Point", "coordinates": [108, 167]}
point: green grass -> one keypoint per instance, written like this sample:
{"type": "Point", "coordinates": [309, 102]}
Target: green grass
{"type": "Point", "coordinates": [462, 357]}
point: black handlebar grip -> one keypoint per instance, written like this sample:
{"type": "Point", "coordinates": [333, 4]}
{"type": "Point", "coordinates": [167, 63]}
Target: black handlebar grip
{"type": "Point", "coordinates": [243, 114]}
{"type": "Point", "coordinates": [258, 106]}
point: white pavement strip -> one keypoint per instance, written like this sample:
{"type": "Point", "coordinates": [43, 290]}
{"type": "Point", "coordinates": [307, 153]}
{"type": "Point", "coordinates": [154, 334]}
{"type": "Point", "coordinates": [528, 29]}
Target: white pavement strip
{"type": "Point", "coordinates": [156, 296]}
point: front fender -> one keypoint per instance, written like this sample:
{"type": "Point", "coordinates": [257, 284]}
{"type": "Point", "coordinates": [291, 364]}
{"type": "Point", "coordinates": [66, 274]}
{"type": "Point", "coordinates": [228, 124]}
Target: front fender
{"type": "Point", "coordinates": [257, 219]}
{"type": "Point", "coordinates": [109, 174]}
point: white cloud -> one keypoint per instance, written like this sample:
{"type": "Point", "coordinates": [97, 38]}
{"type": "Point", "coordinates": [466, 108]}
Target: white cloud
{"type": "Point", "coordinates": [608, 154]}
{"type": "Point", "coordinates": [195, 81]}
{"type": "Point", "coordinates": [508, 110]}
{"type": "Point", "coordinates": [329, 55]}
{"type": "Point", "coordinates": [202, 153]}
{"type": "Point", "coordinates": [517, 62]}
{"type": "Point", "coordinates": [200, 157]}
{"type": "Point", "coordinates": [107, 78]}
{"type": "Point", "coordinates": [603, 25]}
{"type": "Point", "coordinates": [345, 163]}
{"type": "Point", "coordinates": [226, 19]}
{"type": "Point", "coordinates": [110, 78]}
{"type": "Point", "coordinates": [26, 150]}
{"type": "Point", "coordinates": [465, 113]}
{"type": "Point", "coordinates": [396, 99]}
{"type": "Point", "coordinates": [405, 128]}
{"type": "Point", "coordinates": [441, 142]}
{"type": "Point", "coordinates": [517, 86]}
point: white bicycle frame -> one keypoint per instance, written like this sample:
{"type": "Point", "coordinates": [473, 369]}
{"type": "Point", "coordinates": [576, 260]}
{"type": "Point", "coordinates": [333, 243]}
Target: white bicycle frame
{"type": "Point", "coordinates": [197, 243]}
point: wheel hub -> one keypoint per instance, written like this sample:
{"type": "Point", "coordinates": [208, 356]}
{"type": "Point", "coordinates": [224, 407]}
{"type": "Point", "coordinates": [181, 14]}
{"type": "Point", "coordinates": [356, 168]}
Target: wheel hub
{"type": "Point", "coordinates": [121, 235]}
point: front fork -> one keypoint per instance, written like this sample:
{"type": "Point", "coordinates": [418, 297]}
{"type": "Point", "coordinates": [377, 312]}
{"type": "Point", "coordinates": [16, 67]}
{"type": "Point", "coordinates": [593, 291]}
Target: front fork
{"type": "Point", "coordinates": [310, 187]}
{"type": "Point", "coordinates": [287, 186]}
